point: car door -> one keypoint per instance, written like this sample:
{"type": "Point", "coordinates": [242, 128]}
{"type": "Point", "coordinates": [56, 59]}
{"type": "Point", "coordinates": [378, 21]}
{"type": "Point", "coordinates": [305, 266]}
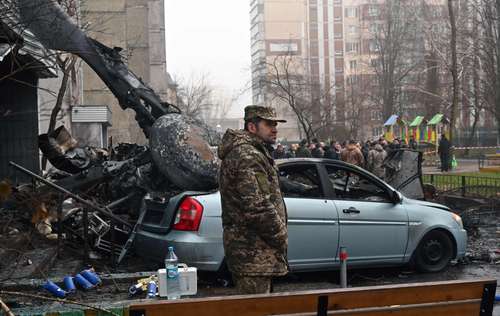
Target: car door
{"type": "Point", "coordinates": [373, 228]}
{"type": "Point", "coordinates": [312, 220]}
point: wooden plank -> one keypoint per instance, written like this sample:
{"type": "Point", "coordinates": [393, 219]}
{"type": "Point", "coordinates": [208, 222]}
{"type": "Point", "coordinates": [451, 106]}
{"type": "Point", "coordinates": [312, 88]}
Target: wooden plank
{"type": "Point", "coordinates": [462, 307]}
{"type": "Point", "coordinates": [303, 302]}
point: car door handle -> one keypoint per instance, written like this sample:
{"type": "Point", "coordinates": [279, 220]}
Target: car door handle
{"type": "Point", "coordinates": [351, 210]}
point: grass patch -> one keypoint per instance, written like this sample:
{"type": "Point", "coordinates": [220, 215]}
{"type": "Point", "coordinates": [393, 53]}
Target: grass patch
{"type": "Point", "coordinates": [475, 183]}
{"type": "Point", "coordinates": [480, 174]}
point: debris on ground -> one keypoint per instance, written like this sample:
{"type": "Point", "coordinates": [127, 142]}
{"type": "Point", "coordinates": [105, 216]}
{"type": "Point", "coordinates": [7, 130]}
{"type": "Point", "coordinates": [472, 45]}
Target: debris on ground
{"type": "Point", "coordinates": [483, 226]}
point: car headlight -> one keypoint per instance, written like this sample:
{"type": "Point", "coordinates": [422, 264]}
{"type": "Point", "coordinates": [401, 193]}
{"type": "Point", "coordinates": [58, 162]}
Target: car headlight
{"type": "Point", "coordinates": [458, 219]}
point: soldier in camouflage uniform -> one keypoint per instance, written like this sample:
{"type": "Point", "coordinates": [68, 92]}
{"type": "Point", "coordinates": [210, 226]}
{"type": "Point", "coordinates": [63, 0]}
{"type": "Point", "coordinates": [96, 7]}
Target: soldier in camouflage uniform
{"type": "Point", "coordinates": [253, 212]}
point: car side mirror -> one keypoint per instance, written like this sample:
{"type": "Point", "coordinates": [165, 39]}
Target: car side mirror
{"type": "Point", "coordinates": [396, 197]}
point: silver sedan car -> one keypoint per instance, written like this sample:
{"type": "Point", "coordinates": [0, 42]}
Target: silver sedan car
{"type": "Point", "coordinates": [330, 204]}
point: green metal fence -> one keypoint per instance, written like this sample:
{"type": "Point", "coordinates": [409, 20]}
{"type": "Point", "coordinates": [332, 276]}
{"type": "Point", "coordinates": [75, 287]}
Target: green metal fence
{"type": "Point", "coordinates": [465, 185]}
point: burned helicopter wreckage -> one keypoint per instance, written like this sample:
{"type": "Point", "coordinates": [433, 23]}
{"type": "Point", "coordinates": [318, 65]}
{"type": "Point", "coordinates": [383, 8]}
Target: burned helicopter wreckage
{"type": "Point", "coordinates": [181, 147]}
{"type": "Point", "coordinates": [181, 154]}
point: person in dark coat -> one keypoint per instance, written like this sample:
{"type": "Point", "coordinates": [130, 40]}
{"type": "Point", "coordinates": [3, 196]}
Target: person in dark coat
{"type": "Point", "coordinates": [444, 153]}
{"type": "Point", "coordinates": [413, 144]}
{"type": "Point", "coordinates": [331, 152]}
{"type": "Point", "coordinates": [365, 150]}
{"type": "Point", "coordinates": [303, 151]}
{"type": "Point", "coordinates": [279, 152]}
{"type": "Point", "coordinates": [317, 151]}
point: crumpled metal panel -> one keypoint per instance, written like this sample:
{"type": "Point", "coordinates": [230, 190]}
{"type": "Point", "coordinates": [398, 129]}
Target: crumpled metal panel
{"type": "Point", "coordinates": [403, 171]}
{"type": "Point", "coordinates": [183, 150]}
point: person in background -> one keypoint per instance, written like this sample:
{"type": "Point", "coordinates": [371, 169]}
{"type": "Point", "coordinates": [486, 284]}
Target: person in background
{"type": "Point", "coordinates": [331, 152]}
{"type": "Point", "coordinates": [444, 153]}
{"type": "Point", "coordinates": [292, 151]}
{"type": "Point", "coordinates": [302, 151]}
{"type": "Point", "coordinates": [395, 145]}
{"type": "Point", "coordinates": [316, 150]}
{"type": "Point", "coordinates": [375, 162]}
{"type": "Point", "coordinates": [413, 144]}
{"type": "Point", "coordinates": [352, 154]}
{"type": "Point", "coordinates": [279, 152]}
{"type": "Point", "coordinates": [365, 150]}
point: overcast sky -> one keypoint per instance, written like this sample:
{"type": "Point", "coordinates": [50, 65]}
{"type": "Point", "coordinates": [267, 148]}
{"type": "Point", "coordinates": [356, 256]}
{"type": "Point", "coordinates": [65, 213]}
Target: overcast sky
{"type": "Point", "coordinates": [211, 37]}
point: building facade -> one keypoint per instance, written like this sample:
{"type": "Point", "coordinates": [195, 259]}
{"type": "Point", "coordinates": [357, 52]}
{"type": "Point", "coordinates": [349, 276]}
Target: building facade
{"type": "Point", "coordinates": [137, 26]}
{"type": "Point", "coordinates": [309, 35]}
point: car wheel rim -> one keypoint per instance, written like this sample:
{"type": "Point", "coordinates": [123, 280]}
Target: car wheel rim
{"type": "Point", "coordinates": [433, 251]}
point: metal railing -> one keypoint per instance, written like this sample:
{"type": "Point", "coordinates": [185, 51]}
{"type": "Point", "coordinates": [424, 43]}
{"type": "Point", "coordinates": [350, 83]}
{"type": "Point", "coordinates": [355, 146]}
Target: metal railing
{"type": "Point", "coordinates": [465, 185]}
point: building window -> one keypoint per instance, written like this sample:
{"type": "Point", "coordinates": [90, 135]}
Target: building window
{"type": "Point", "coordinates": [351, 12]}
{"type": "Point", "coordinates": [376, 115]}
{"type": "Point", "coordinates": [352, 29]}
{"type": "Point", "coordinates": [374, 62]}
{"type": "Point", "coordinates": [352, 47]}
{"type": "Point", "coordinates": [352, 80]}
{"type": "Point", "coordinates": [353, 64]}
{"type": "Point", "coordinates": [375, 28]}
{"type": "Point", "coordinates": [373, 46]}
{"type": "Point", "coordinates": [283, 47]}
{"type": "Point", "coordinates": [339, 70]}
{"type": "Point", "coordinates": [373, 10]}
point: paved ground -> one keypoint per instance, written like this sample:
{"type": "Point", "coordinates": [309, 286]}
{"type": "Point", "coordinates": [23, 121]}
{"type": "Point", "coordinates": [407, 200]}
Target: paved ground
{"type": "Point", "coordinates": [464, 165]}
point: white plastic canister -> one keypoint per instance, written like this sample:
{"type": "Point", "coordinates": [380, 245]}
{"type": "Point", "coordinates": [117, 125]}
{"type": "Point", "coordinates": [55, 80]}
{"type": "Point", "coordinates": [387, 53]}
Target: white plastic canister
{"type": "Point", "coordinates": [188, 280]}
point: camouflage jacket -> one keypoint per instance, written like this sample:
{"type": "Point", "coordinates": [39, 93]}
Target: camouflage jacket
{"type": "Point", "coordinates": [253, 211]}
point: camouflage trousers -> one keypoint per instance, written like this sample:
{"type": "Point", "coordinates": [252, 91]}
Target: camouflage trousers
{"type": "Point", "coordinates": [252, 284]}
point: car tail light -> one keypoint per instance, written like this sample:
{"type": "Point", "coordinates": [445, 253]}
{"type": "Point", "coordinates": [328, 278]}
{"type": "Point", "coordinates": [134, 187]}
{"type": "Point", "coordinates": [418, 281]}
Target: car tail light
{"type": "Point", "coordinates": [188, 215]}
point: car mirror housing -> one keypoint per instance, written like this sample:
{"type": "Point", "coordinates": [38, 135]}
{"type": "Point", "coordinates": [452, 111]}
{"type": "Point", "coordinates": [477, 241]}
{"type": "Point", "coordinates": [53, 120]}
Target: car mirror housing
{"type": "Point", "coordinates": [396, 197]}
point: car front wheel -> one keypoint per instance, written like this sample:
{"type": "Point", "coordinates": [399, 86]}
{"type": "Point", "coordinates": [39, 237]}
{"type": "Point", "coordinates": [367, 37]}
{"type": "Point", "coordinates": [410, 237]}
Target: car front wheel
{"type": "Point", "coordinates": [434, 252]}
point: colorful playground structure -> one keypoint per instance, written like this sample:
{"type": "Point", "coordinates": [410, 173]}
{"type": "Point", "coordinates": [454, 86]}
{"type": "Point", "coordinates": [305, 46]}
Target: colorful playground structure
{"type": "Point", "coordinates": [420, 129]}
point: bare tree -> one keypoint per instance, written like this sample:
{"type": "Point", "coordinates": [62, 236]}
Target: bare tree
{"type": "Point", "coordinates": [194, 96]}
{"type": "Point", "coordinates": [394, 46]}
{"type": "Point", "coordinates": [485, 56]}
{"type": "Point", "coordinates": [454, 68]}
{"type": "Point", "coordinates": [288, 82]}
{"type": "Point", "coordinates": [358, 105]}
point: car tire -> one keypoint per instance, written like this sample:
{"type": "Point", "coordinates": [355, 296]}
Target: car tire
{"type": "Point", "coordinates": [434, 252]}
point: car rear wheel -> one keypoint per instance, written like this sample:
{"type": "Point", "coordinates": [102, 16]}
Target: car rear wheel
{"type": "Point", "coordinates": [434, 252]}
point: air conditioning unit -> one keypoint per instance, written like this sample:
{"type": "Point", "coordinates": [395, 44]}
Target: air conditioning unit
{"type": "Point", "coordinates": [90, 125]}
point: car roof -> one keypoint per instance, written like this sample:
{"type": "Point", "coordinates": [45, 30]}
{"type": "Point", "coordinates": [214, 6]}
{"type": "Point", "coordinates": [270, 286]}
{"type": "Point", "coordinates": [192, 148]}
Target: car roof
{"type": "Point", "coordinates": [314, 160]}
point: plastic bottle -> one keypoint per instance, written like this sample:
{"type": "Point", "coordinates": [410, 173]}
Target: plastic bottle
{"type": "Point", "coordinates": [173, 285]}
{"type": "Point", "coordinates": [151, 289]}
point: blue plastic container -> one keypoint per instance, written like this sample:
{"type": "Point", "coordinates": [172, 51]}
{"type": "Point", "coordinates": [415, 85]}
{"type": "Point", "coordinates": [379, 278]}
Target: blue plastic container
{"type": "Point", "coordinates": [84, 283]}
{"type": "Point", "coordinates": [151, 289]}
{"type": "Point", "coordinates": [497, 298]}
{"type": "Point", "coordinates": [135, 289]}
{"type": "Point", "coordinates": [54, 289]}
{"type": "Point", "coordinates": [91, 276]}
{"type": "Point", "coordinates": [69, 284]}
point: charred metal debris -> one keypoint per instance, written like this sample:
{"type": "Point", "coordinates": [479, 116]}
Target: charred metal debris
{"type": "Point", "coordinates": [94, 198]}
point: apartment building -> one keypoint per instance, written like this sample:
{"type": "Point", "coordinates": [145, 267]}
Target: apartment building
{"type": "Point", "coordinates": [137, 26]}
{"type": "Point", "coordinates": [311, 33]}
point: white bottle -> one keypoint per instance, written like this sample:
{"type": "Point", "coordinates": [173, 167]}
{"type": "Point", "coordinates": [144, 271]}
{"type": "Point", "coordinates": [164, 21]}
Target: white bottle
{"type": "Point", "coordinates": [173, 284]}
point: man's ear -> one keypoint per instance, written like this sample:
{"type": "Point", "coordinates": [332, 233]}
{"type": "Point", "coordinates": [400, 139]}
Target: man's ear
{"type": "Point", "coordinates": [252, 127]}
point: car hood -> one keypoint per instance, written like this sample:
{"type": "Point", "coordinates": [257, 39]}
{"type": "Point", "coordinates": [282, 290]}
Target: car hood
{"type": "Point", "coordinates": [427, 204]}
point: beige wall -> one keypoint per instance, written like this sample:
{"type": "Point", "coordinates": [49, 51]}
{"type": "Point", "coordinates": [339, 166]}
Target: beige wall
{"type": "Point", "coordinates": [138, 27]}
